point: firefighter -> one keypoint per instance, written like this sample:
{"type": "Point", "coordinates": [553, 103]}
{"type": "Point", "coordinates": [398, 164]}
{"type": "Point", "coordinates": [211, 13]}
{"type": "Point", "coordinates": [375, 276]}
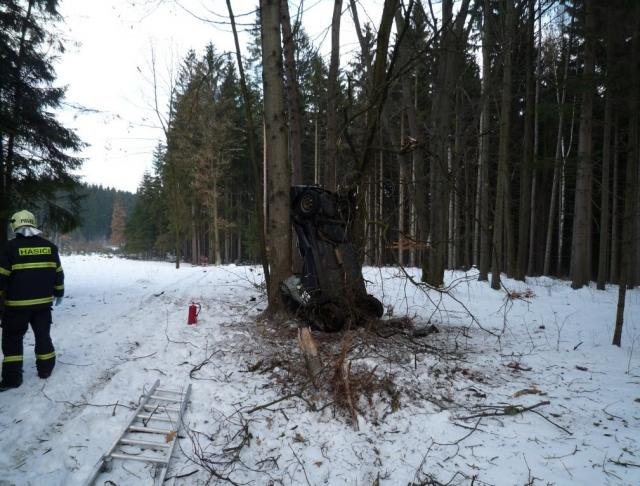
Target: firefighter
{"type": "Point", "coordinates": [30, 278]}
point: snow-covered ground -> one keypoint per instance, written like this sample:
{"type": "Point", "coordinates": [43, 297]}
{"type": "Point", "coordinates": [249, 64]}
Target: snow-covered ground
{"type": "Point", "coordinates": [449, 406]}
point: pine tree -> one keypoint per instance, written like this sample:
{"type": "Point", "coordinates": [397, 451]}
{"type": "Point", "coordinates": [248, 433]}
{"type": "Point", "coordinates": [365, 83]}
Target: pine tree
{"type": "Point", "coordinates": [35, 164]}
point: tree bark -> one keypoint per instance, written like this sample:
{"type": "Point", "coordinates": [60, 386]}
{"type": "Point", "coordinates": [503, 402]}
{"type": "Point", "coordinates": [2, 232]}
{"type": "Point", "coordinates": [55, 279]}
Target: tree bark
{"type": "Point", "coordinates": [613, 265]}
{"type": "Point", "coordinates": [294, 104]}
{"type": "Point", "coordinates": [536, 148]}
{"type": "Point", "coordinates": [332, 98]}
{"type": "Point", "coordinates": [630, 221]}
{"type": "Point", "coordinates": [603, 255]}
{"type": "Point", "coordinates": [401, 197]}
{"type": "Point", "coordinates": [484, 145]}
{"type": "Point", "coordinates": [441, 112]}
{"type": "Point", "coordinates": [279, 170]}
{"type": "Point", "coordinates": [501, 214]}
{"type": "Point", "coordinates": [561, 92]}
{"type": "Point", "coordinates": [253, 152]}
{"type": "Point", "coordinates": [527, 151]}
{"type": "Point", "coordinates": [418, 192]}
{"type": "Point", "coordinates": [581, 238]}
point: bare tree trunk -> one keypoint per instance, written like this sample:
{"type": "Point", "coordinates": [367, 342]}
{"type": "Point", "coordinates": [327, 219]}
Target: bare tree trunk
{"type": "Point", "coordinates": [294, 106]}
{"type": "Point", "coordinates": [631, 221]}
{"type": "Point", "coordinates": [524, 217]}
{"type": "Point", "coordinates": [380, 218]}
{"type": "Point", "coordinates": [536, 148]}
{"type": "Point", "coordinates": [401, 197]}
{"type": "Point", "coordinates": [613, 269]}
{"type": "Point", "coordinates": [441, 117]}
{"type": "Point", "coordinates": [581, 238]}
{"type": "Point", "coordinates": [413, 214]}
{"type": "Point", "coordinates": [418, 200]}
{"type": "Point", "coordinates": [484, 136]}
{"type": "Point", "coordinates": [293, 95]}
{"type": "Point", "coordinates": [562, 195]}
{"type": "Point", "coordinates": [561, 92]}
{"type": "Point", "coordinates": [606, 158]}
{"type": "Point", "coordinates": [216, 224]}
{"type": "Point", "coordinates": [316, 168]}
{"type": "Point", "coordinates": [253, 152]}
{"type": "Point", "coordinates": [279, 170]}
{"type": "Point", "coordinates": [368, 221]}
{"type": "Point", "coordinates": [332, 98]}
{"type": "Point", "coordinates": [501, 214]}
{"type": "Point", "coordinates": [451, 231]}
{"type": "Point", "coordinates": [194, 237]}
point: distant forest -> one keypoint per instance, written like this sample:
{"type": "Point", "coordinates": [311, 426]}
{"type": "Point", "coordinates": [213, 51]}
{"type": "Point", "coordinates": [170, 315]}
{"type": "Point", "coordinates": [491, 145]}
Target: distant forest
{"type": "Point", "coordinates": [96, 212]}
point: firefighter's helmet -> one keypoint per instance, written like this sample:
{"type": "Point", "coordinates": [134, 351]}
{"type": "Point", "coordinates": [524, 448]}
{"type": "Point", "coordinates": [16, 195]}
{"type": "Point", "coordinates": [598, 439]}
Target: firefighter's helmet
{"type": "Point", "coordinates": [22, 218]}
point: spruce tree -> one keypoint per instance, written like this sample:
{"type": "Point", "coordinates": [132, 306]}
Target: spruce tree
{"type": "Point", "coordinates": [35, 160]}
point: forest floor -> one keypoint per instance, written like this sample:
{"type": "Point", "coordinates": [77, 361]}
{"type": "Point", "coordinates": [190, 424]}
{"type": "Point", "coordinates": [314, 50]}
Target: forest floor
{"type": "Point", "coordinates": [520, 386]}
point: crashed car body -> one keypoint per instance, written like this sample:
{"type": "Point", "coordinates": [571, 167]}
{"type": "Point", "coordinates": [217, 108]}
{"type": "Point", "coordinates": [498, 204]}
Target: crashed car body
{"type": "Point", "coordinates": [329, 290]}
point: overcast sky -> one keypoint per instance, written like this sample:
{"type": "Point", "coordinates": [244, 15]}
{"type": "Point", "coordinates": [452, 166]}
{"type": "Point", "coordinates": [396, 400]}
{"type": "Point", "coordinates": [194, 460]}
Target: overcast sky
{"type": "Point", "coordinates": [107, 69]}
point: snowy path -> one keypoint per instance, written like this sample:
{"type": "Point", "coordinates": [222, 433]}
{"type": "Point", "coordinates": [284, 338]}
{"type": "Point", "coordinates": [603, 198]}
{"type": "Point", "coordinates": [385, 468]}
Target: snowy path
{"type": "Point", "coordinates": [122, 326]}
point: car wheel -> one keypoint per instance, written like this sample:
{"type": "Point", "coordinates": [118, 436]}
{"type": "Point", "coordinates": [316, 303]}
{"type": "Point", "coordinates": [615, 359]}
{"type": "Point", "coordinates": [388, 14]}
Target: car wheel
{"type": "Point", "coordinates": [308, 204]}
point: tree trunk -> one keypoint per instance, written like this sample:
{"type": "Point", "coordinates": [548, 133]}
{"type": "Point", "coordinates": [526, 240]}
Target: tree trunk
{"type": "Point", "coordinates": [484, 186]}
{"type": "Point", "coordinates": [418, 199]}
{"type": "Point", "coordinates": [562, 194]}
{"type": "Point", "coordinates": [316, 165]}
{"type": "Point", "coordinates": [279, 171]}
{"type": "Point", "coordinates": [293, 95]}
{"type": "Point", "coordinates": [332, 98]}
{"type": "Point", "coordinates": [536, 148]}
{"type": "Point", "coordinates": [380, 217]}
{"type": "Point", "coordinates": [501, 214]}
{"type": "Point", "coordinates": [581, 238]}
{"type": "Point", "coordinates": [606, 158]}
{"type": "Point", "coordinates": [613, 269]}
{"type": "Point", "coordinates": [401, 197]}
{"type": "Point", "coordinates": [527, 152]}
{"type": "Point", "coordinates": [379, 90]}
{"type": "Point", "coordinates": [215, 254]}
{"type": "Point", "coordinates": [253, 152]}
{"type": "Point", "coordinates": [630, 221]}
{"type": "Point", "coordinates": [194, 236]}
{"type": "Point", "coordinates": [441, 119]}
{"type": "Point", "coordinates": [561, 92]}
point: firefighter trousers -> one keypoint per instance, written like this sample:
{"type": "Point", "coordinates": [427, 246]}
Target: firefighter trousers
{"type": "Point", "coordinates": [15, 323]}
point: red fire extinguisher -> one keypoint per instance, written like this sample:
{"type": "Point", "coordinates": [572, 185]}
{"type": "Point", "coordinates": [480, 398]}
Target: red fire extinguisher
{"type": "Point", "coordinates": [194, 310]}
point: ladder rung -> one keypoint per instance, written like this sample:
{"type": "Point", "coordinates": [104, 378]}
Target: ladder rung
{"type": "Point", "coordinates": [166, 390]}
{"type": "Point", "coordinates": [166, 399]}
{"type": "Point", "coordinates": [140, 458]}
{"type": "Point", "coordinates": [149, 430]}
{"type": "Point", "coordinates": [145, 444]}
{"type": "Point", "coordinates": [158, 408]}
{"type": "Point", "coordinates": [153, 417]}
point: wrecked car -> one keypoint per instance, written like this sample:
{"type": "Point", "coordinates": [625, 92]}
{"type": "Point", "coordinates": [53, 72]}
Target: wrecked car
{"type": "Point", "coordinates": [329, 290]}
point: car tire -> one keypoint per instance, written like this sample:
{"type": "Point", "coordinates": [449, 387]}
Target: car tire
{"type": "Point", "coordinates": [308, 203]}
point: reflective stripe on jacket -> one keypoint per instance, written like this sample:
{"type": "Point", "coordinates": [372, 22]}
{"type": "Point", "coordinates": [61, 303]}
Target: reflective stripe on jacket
{"type": "Point", "coordinates": [30, 272]}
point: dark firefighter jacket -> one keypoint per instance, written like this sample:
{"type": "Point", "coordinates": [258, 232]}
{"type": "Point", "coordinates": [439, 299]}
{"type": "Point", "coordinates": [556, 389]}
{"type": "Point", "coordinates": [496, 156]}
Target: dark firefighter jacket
{"type": "Point", "coordinates": [30, 272]}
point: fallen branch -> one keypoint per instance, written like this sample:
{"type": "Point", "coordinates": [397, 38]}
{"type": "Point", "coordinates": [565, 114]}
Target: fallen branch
{"type": "Point", "coordinates": [623, 464]}
{"type": "Point", "coordinates": [508, 410]}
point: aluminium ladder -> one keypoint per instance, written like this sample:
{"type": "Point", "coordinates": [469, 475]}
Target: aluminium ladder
{"type": "Point", "coordinates": [151, 433]}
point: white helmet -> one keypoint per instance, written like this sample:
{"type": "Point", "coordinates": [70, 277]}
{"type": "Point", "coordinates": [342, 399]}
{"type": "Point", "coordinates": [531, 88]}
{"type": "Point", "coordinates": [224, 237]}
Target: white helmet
{"type": "Point", "coordinates": [22, 218]}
